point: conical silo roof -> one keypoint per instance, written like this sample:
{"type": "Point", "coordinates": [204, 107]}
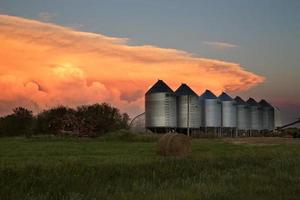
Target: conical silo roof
{"type": "Point", "coordinates": [225, 97]}
{"type": "Point", "coordinates": [160, 87]}
{"type": "Point", "coordinates": [264, 103]}
{"type": "Point", "coordinates": [184, 90]}
{"type": "Point", "coordinates": [239, 101]}
{"type": "Point", "coordinates": [252, 102]}
{"type": "Point", "coordinates": [208, 95]}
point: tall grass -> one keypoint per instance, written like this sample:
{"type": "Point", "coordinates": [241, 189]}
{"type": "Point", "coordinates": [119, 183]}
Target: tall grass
{"type": "Point", "coordinates": [128, 136]}
{"type": "Point", "coordinates": [120, 169]}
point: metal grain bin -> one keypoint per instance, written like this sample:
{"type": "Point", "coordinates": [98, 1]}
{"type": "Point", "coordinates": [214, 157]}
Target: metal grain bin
{"type": "Point", "coordinates": [272, 118]}
{"type": "Point", "coordinates": [267, 115]}
{"type": "Point", "coordinates": [277, 118]}
{"type": "Point", "coordinates": [260, 118]}
{"type": "Point", "coordinates": [228, 111]}
{"type": "Point", "coordinates": [243, 114]}
{"type": "Point", "coordinates": [211, 110]}
{"type": "Point", "coordinates": [160, 108]}
{"type": "Point", "coordinates": [188, 108]}
{"type": "Point", "coordinates": [255, 114]}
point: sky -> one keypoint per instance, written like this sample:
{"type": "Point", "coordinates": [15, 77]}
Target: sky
{"type": "Point", "coordinates": [76, 52]}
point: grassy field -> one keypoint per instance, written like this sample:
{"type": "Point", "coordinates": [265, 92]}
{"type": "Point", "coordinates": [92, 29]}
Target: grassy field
{"type": "Point", "coordinates": [56, 168]}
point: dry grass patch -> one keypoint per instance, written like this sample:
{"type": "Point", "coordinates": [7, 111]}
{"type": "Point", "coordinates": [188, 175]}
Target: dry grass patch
{"type": "Point", "coordinates": [261, 141]}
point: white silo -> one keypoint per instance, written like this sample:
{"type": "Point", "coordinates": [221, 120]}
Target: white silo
{"type": "Point", "coordinates": [228, 111]}
{"type": "Point", "coordinates": [211, 109]}
{"type": "Point", "coordinates": [160, 108]}
{"type": "Point", "coordinates": [188, 108]}
{"type": "Point", "coordinates": [255, 114]}
{"type": "Point", "coordinates": [277, 117]}
{"type": "Point", "coordinates": [268, 115]}
{"type": "Point", "coordinates": [243, 114]}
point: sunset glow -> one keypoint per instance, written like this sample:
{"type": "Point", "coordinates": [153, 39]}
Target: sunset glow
{"type": "Point", "coordinates": [43, 65]}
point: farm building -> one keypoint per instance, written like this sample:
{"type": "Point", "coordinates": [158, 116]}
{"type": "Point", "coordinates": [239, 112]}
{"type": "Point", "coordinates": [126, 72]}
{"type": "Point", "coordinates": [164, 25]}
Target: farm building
{"type": "Point", "coordinates": [186, 112]}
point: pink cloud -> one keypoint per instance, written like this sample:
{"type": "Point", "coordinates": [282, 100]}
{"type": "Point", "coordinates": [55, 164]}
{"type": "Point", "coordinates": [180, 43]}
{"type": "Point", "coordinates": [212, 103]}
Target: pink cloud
{"type": "Point", "coordinates": [44, 65]}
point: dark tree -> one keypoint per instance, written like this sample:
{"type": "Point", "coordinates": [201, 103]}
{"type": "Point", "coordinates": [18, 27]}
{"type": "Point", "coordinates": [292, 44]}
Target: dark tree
{"type": "Point", "coordinates": [56, 121]}
{"type": "Point", "coordinates": [19, 123]}
{"type": "Point", "coordinates": [87, 120]}
{"type": "Point", "coordinates": [98, 119]}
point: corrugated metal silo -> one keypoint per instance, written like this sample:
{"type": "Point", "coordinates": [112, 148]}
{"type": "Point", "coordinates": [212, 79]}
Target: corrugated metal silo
{"type": "Point", "coordinates": [260, 117]}
{"type": "Point", "coordinates": [272, 118]}
{"type": "Point", "coordinates": [277, 118]}
{"type": "Point", "coordinates": [211, 110]}
{"type": "Point", "coordinates": [188, 108]}
{"type": "Point", "coordinates": [160, 107]}
{"type": "Point", "coordinates": [268, 115]}
{"type": "Point", "coordinates": [228, 111]}
{"type": "Point", "coordinates": [243, 114]}
{"type": "Point", "coordinates": [255, 114]}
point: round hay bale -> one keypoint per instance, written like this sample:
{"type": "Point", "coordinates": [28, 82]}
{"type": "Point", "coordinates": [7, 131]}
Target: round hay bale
{"type": "Point", "coordinates": [174, 144]}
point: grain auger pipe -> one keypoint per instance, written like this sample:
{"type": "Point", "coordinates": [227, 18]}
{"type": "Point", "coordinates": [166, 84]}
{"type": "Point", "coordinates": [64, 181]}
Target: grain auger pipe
{"type": "Point", "coordinates": [287, 125]}
{"type": "Point", "coordinates": [130, 124]}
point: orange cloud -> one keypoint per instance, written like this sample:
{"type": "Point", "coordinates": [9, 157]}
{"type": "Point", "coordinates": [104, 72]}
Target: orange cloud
{"type": "Point", "coordinates": [43, 65]}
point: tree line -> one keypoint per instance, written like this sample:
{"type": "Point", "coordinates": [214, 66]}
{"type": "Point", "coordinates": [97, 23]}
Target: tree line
{"type": "Point", "coordinates": [86, 120]}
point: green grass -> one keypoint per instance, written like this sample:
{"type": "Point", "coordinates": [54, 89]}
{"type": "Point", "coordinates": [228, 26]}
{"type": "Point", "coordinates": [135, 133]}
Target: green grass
{"type": "Point", "coordinates": [118, 168]}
